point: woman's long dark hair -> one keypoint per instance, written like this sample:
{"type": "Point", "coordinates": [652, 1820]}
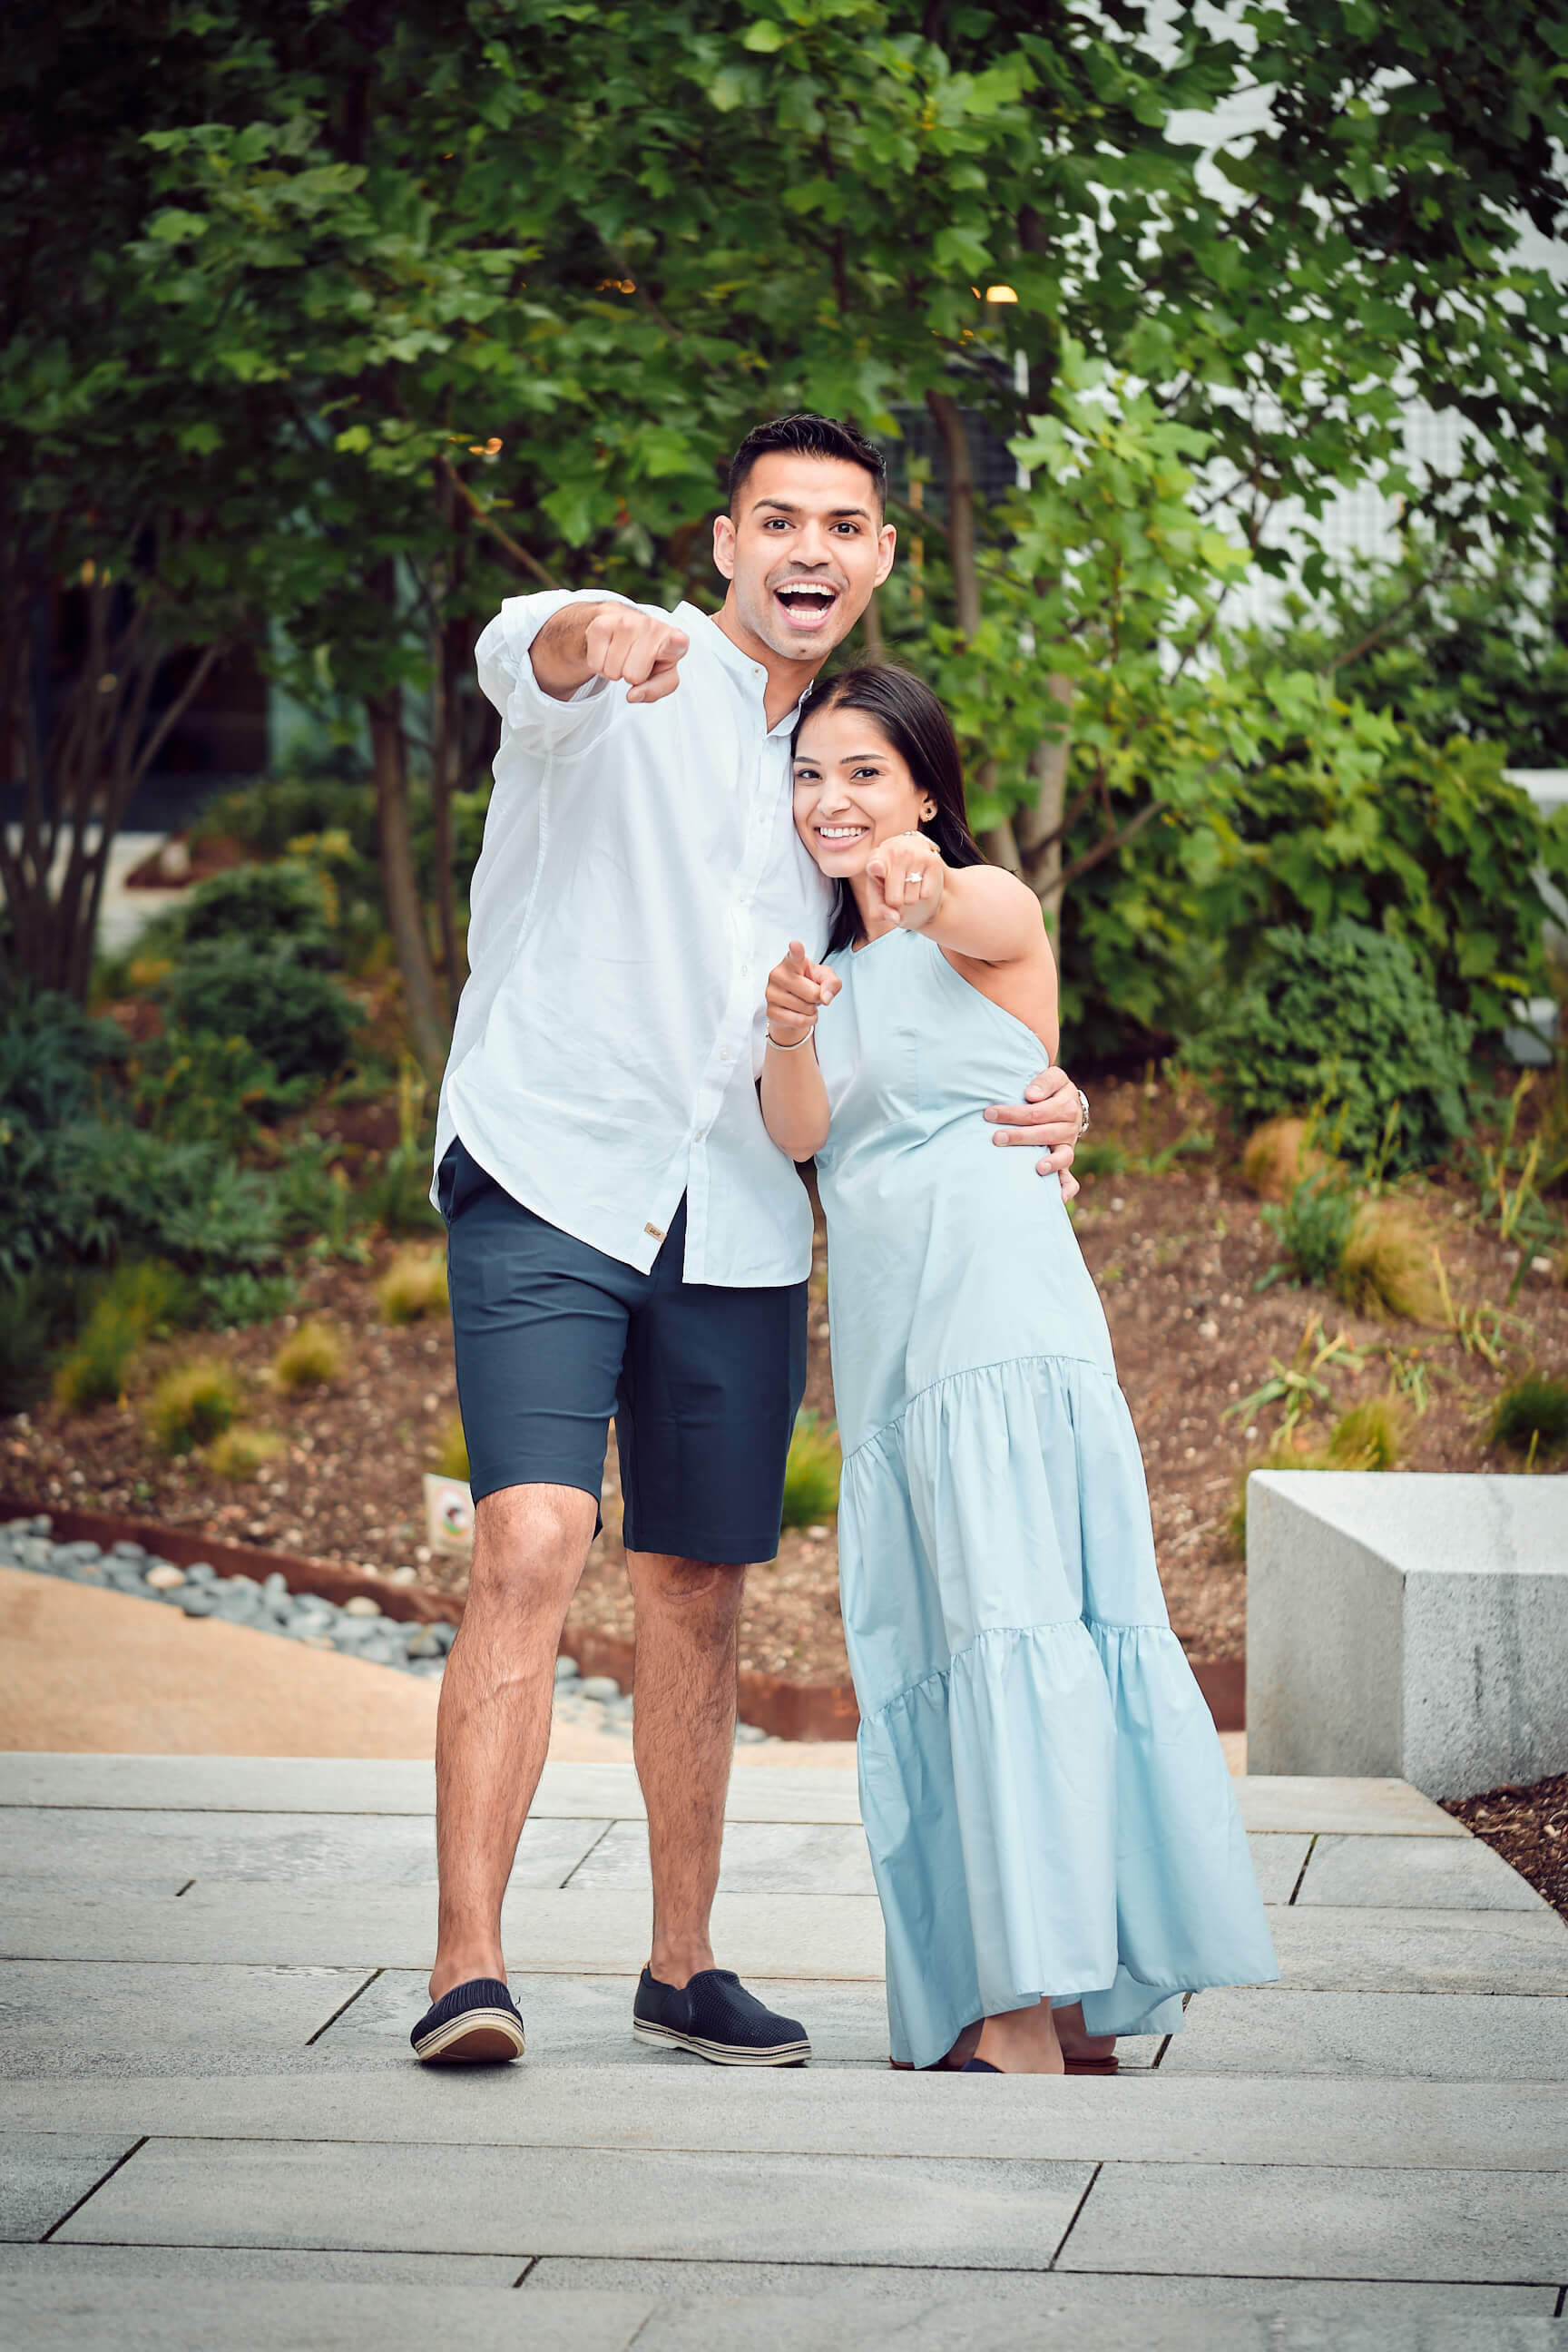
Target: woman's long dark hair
{"type": "Point", "coordinates": [913, 722]}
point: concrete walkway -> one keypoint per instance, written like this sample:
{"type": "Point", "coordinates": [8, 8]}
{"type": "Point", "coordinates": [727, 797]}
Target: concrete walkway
{"type": "Point", "coordinates": [107, 1674]}
{"type": "Point", "coordinates": [212, 2134]}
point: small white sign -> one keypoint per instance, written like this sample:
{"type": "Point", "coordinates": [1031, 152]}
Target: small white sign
{"type": "Point", "coordinates": [448, 1514]}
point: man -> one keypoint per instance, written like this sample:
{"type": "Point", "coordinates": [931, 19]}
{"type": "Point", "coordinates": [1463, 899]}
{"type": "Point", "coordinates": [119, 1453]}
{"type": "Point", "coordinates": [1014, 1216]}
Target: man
{"type": "Point", "coordinates": [622, 1239]}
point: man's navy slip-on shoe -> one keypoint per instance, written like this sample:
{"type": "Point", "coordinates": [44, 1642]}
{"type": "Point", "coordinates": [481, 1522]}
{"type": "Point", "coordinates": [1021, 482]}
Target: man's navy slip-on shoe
{"type": "Point", "coordinates": [475, 2024]}
{"type": "Point", "coordinates": [716, 2016]}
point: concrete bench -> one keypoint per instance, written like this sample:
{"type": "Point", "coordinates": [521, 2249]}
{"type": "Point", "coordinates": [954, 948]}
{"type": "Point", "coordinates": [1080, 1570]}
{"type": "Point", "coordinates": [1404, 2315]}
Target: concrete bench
{"type": "Point", "coordinates": [1407, 1624]}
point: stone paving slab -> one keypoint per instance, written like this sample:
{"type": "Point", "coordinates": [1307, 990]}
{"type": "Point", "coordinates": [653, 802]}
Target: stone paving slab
{"type": "Point", "coordinates": [574, 1932]}
{"type": "Point", "coordinates": [225, 2264]}
{"type": "Point", "coordinates": [971, 2325]}
{"type": "Point", "coordinates": [290, 1784]}
{"type": "Point", "coordinates": [825, 2113]}
{"type": "Point", "coordinates": [1278, 1857]}
{"type": "Point", "coordinates": [334, 1849]}
{"type": "Point", "coordinates": [1425, 1874]}
{"type": "Point", "coordinates": [1443, 2037]}
{"type": "Point", "coordinates": [760, 1858]}
{"type": "Point", "coordinates": [1351, 1808]}
{"type": "Point", "coordinates": [527, 2200]}
{"type": "Point", "coordinates": [43, 2175]}
{"type": "Point", "coordinates": [1346, 1948]}
{"type": "Point", "coordinates": [686, 2288]}
{"type": "Point", "coordinates": [1316, 2220]}
{"type": "Point", "coordinates": [44, 2315]}
{"type": "Point", "coordinates": [75, 2018]}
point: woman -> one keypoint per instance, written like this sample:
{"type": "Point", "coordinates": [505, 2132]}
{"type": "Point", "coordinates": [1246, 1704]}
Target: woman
{"type": "Point", "coordinates": [1051, 1824]}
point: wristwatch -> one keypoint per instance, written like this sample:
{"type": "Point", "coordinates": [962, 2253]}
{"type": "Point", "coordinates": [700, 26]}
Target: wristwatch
{"type": "Point", "coordinates": [1083, 1112]}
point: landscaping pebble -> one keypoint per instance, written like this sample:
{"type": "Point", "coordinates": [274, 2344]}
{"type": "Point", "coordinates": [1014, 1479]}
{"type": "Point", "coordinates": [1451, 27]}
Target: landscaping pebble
{"type": "Point", "coordinates": [357, 1627]}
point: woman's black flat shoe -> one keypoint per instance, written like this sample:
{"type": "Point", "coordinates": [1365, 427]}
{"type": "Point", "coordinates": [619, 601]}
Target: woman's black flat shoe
{"type": "Point", "coordinates": [475, 2024]}
{"type": "Point", "coordinates": [979, 2066]}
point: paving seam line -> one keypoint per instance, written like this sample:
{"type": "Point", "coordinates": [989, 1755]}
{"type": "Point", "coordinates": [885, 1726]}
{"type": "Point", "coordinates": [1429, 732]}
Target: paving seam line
{"type": "Point", "coordinates": [1072, 2218]}
{"type": "Point", "coordinates": [582, 1858]}
{"type": "Point", "coordinates": [96, 2185]}
{"type": "Point", "coordinates": [311, 2039]}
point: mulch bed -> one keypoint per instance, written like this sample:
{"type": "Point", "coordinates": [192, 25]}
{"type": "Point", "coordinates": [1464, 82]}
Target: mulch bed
{"type": "Point", "coordinates": [1529, 1827]}
{"type": "Point", "coordinates": [1177, 1254]}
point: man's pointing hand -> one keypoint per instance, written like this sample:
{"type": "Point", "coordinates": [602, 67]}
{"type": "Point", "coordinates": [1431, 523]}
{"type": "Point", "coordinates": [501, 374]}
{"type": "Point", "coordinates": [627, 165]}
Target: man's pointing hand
{"type": "Point", "coordinates": [643, 648]}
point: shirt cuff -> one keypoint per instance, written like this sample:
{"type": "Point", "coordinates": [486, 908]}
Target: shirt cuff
{"type": "Point", "coordinates": [506, 670]}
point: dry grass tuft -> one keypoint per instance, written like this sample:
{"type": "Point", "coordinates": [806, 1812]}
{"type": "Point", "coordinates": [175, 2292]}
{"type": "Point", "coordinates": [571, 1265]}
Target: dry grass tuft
{"type": "Point", "coordinates": [311, 1358]}
{"type": "Point", "coordinates": [450, 1458]}
{"type": "Point", "coordinates": [1370, 1436]}
{"type": "Point", "coordinates": [1387, 1267]}
{"type": "Point", "coordinates": [241, 1452]}
{"type": "Point", "coordinates": [414, 1285]}
{"type": "Point", "coordinates": [1278, 1157]}
{"type": "Point", "coordinates": [191, 1405]}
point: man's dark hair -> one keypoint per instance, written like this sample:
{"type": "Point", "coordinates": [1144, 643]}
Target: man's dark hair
{"type": "Point", "coordinates": [809, 436]}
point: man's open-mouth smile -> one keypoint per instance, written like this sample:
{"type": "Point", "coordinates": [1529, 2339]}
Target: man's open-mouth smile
{"type": "Point", "coordinates": [808, 604]}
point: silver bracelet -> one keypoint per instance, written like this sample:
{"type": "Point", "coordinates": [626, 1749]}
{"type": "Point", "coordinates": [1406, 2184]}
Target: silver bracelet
{"type": "Point", "coordinates": [798, 1044]}
{"type": "Point", "coordinates": [1083, 1110]}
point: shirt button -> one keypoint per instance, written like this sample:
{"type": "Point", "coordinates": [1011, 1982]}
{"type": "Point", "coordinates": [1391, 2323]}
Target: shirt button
{"type": "Point", "coordinates": [726, 1055]}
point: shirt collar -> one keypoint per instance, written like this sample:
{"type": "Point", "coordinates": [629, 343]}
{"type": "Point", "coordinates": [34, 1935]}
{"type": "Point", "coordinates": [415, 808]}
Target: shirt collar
{"type": "Point", "coordinates": [739, 663]}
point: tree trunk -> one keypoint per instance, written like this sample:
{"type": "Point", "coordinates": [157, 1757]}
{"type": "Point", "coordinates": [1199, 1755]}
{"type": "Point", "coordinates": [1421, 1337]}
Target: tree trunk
{"type": "Point", "coordinates": [949, 423]}
{"type": "Point", "coordinates": [1039, 827]}
{"type": "Point", "coordinates": [876, 643]}
{"type": "Point", "coordinates": [405, 915]}
{"type": "Point", "coordinates": [80, 778]}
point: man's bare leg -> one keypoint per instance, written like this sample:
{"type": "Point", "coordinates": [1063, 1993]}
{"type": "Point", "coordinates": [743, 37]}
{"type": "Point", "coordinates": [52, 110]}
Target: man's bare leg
{"type": "Point", "coordinates": [683, 1738]}
{"type": "Point", "coordinates": [492, 1730]}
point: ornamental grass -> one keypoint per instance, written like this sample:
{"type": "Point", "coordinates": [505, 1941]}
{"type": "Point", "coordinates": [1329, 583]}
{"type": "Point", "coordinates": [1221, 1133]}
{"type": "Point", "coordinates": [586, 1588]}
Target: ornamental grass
{"type": "Point", "coordinates": [413, 1286]}
{"type": "Point", "coordinates": [311, 1358]}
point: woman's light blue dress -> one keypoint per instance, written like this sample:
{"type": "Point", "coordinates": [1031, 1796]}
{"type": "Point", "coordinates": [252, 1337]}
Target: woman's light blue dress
{"type": "Point", "coordinates": [1046, 1802]}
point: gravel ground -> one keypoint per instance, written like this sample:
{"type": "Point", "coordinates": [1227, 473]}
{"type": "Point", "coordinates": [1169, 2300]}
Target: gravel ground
{"type": "Point", "coordinates": [1529, 1827]}
{"type": "Point", "coordinates": [1177, 1255]}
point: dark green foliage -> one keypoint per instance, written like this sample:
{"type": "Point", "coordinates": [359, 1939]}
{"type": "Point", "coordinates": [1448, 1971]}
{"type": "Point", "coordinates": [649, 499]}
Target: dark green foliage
{"type": "Point", "coordinates": [37, 1315]}
{"type": "Point", "coordinates": [195, 1087]}
{"type": "Point", "coordinates": [263, 905]}
{"type": "Point", "coordinates": [293, 1013]}
{"type": "Point", "coordinates": [1345, 1018]}
{"type": "Point", "coordinates": [1532, 1414]}
{"type": "Point", "coordinates": [50, 1056]}
{"type": "Point", "coordinates": [230, 1301]}
{"type": "Point", "coordinates": [1481, 654]}
{"type": "Point", "coordinates": [79, 1186]}
{"type": "Point", "coordinates": [1434, 843]}
{"type": "Point", "coordinates": [1312, 1225]}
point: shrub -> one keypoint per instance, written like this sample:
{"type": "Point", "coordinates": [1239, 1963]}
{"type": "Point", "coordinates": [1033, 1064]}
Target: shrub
{"type": "Point", "coordinates": [261, 905]}
{"type": "Point", "coordinates": [1314, 1225]}
{"type": "Point", "coordinates": [1370, 1436]}
{"type": "Point", "coordinates": [1345, 1017]}
{"type": "Point", "coordinates": [1386, 1266]}
{"type": "Point", "coordinates": [37, 1311]}
{"type": "Point", "coordinates": [291, 1011]}
{"type": "Point", "coordinates": [811, 1474]}
{"type": "Point", "coordinates": [240, 1452]}
{"type": "Point", "coordinates": [192, 1405]}
{"type": "Point", "coordinates": [1531, 1415]}
{"type": "Point", "coordinates": [51, 1056]}
{"type": "Point", "coordinates": [197, 1088]}
{"type": "Point", "coordinates": [230, 1301]}
{"type": "Point", "coordinates": [311, 1358]}
{"type": "Point", "coordinates": [450, 1458]}
{"type": "Point", "coordinates": [135, 1301]}
{"type": "Point", "coordinates": [1278, 1156]}
{"type": "Point", "coordinates": [415, 1285]}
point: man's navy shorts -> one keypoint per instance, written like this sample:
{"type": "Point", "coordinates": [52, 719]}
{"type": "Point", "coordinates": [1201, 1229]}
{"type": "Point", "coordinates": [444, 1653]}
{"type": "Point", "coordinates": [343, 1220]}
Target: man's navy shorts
{"type": "Point", "coordinates": [553, 1337]}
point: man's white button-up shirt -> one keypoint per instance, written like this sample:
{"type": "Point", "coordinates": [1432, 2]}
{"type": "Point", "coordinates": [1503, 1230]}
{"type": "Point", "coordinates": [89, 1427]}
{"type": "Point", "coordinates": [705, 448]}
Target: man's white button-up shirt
{"type": "Point", "coordinates": [641, 874]}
